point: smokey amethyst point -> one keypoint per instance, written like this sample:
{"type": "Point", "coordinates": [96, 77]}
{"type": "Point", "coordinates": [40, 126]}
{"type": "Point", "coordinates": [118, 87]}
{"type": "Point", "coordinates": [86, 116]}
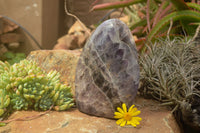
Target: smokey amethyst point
{"type": "Point", "coordinates": [107, 72]}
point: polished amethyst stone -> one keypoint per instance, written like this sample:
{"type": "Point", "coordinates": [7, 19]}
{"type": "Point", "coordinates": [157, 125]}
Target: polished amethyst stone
{"type": "Point", "coordinates": [107, 72]}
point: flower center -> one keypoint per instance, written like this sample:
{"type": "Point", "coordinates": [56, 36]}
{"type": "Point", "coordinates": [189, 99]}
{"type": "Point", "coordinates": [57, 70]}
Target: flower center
{"type": "Point", "coordinates": [127, 116]}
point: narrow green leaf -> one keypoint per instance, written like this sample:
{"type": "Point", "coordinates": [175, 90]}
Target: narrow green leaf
{"type": "Point", "coordinates": [180, 4]}
{"type": "Point", "coordinates": [193, 5]}
{"type": "Point", "coordinates": [118, 4]}
{"type": "Point", "coordinates": [2, 124]}
{"type": "Point", "coordinates": [142, 22]}
{"type": "Point", "coordinates": [179, 15]}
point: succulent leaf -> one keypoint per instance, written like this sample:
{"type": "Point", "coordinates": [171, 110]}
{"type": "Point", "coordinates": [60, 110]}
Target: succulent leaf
{"type": "Point", "coordinates": [26, 86]}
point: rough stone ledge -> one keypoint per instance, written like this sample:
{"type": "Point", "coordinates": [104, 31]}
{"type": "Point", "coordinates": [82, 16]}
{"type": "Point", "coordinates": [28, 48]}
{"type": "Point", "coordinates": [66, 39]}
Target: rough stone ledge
{"type": "Point", "coordinates": [64, 61]}
{"type": "Point", "coordinates": [155, 119]}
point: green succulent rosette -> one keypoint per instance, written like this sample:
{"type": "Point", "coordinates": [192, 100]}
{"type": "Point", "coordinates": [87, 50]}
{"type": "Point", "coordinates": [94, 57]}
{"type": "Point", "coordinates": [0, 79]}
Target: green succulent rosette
{"type": "Point", "coordinates": [25, 86]}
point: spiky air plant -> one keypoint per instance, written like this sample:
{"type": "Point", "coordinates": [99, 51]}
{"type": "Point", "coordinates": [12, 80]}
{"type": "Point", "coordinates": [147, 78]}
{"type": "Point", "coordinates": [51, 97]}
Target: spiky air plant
{"type": "Point", "coordinates": [25, 86]}
{"type": "Point", "coordinates": [170, 73]}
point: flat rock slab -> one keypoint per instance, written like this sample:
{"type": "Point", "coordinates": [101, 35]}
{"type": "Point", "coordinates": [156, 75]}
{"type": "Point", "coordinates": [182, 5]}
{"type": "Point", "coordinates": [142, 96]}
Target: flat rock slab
{"type": "Point", "coordinates": [154, 120]}
{"type": "Point", "coordinates": [64, 61]}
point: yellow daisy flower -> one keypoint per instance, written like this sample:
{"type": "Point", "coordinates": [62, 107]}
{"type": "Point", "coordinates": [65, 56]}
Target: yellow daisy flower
{"type": "Point", "coordinates": [129, 118]}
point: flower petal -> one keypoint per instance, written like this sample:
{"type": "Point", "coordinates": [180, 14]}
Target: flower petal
{"type": "Point", "coordinates": [137, 118]}
{"type": "Point", "coordinates": [134, 122]}
{"type": "Point", "coordinates": [118, 115]}
{"type": "Point", "coordinates": [135, 113]}
{"type": "Point", "coordinates": [123, 123]}
{"type": "Point", "coordinates": [137, 123]}
{"type": "Point", "coordinates": [133, 110]}
{"type": "Point", "coordinates": [118, 122]}
{"type": "Point", "coordinates": [124, 107]}
{"type": "Point", "coordinates": [128, 123]}
{"type": "Point", "coordinates": [120, 110]}
{"type": "Point", "coordinates": [130, 109]}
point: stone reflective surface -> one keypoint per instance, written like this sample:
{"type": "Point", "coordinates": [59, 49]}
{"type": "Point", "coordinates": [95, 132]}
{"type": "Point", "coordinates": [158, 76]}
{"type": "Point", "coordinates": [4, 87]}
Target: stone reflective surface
{"type": "Point", "coordinates": [107, 72]}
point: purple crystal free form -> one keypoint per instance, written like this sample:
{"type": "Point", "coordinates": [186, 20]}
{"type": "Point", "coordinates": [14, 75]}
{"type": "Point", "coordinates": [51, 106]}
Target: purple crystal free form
{"type": "Point", "coordinates": [107, 72]}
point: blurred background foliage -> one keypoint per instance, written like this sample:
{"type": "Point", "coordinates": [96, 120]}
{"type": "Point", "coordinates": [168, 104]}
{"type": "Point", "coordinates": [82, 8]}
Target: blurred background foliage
{"type": "Point", "coordinates": [153, 19]}
{"type": "Point", "coordinates": [12, 57]}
